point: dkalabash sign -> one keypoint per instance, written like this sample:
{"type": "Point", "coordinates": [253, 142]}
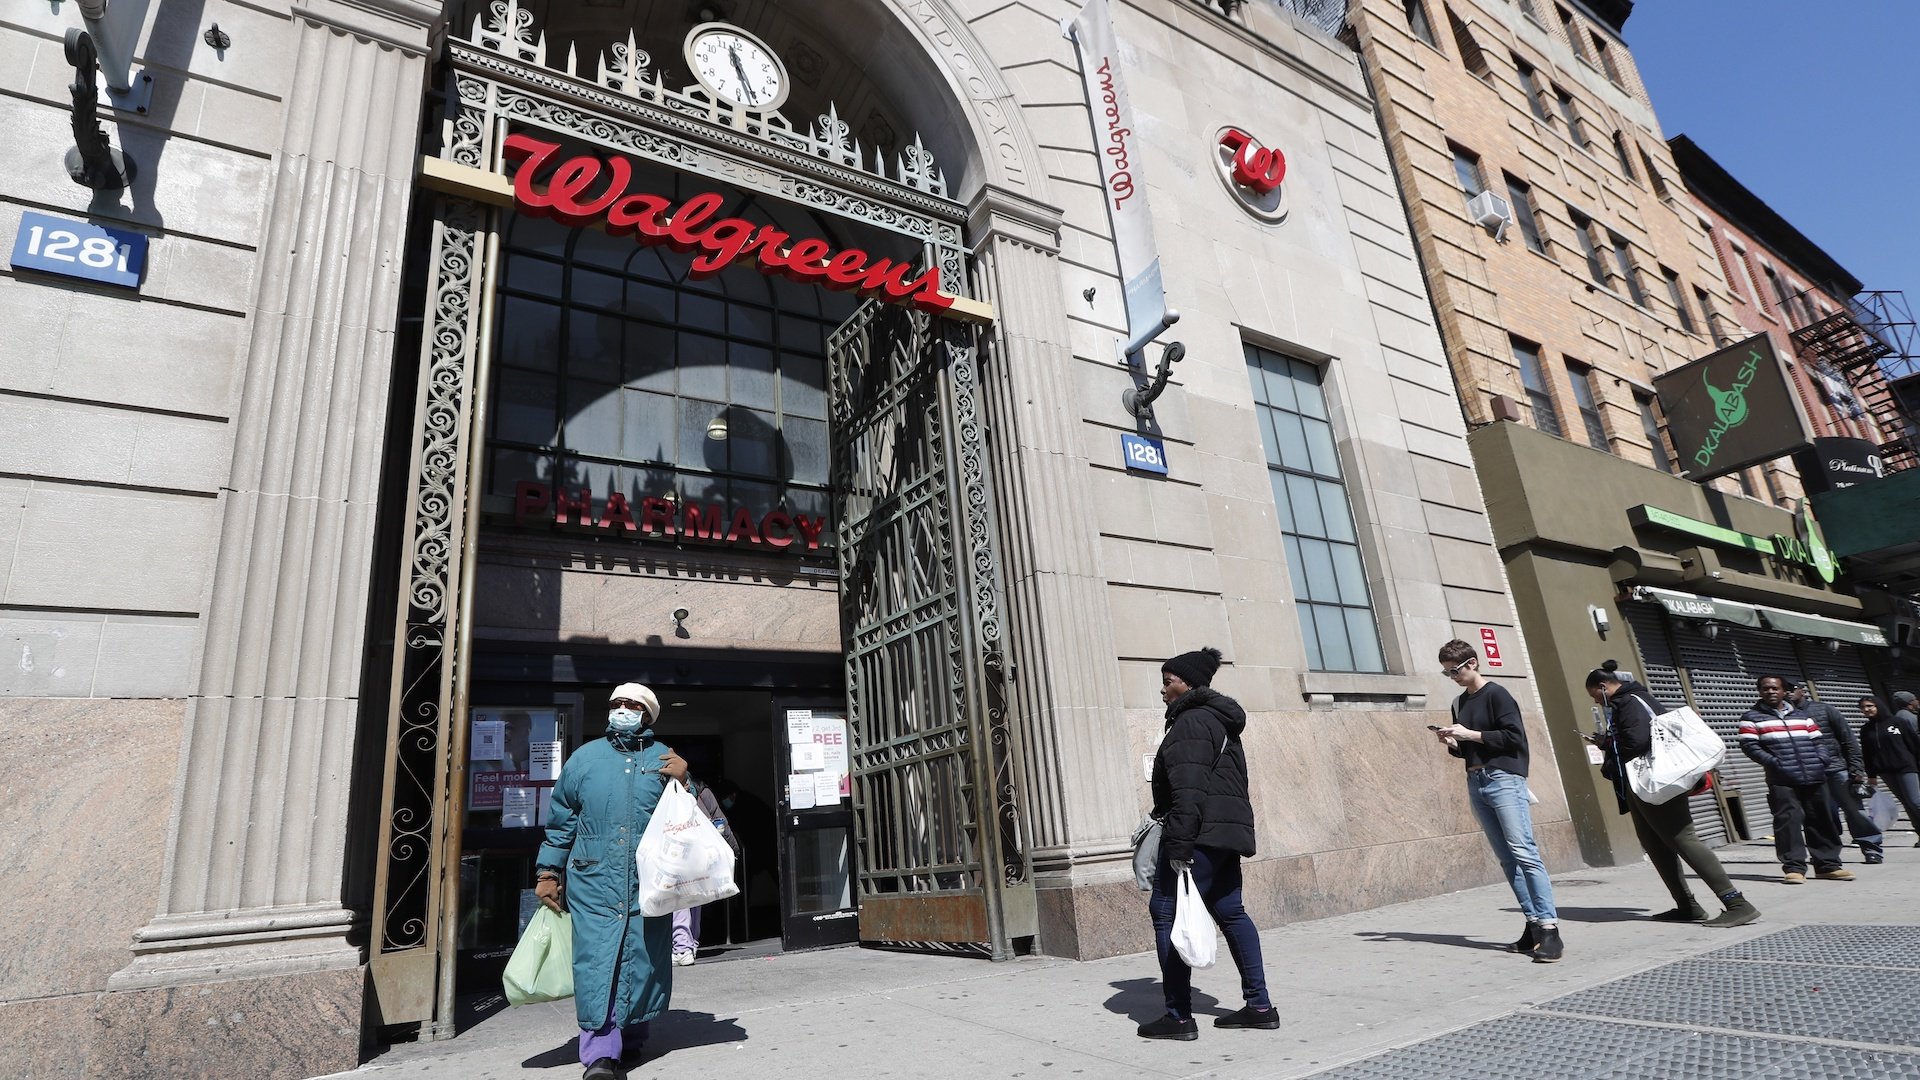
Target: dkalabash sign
{"type": "Point", "coordinates": [1730, 410]}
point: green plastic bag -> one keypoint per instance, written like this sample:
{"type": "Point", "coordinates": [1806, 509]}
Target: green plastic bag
{"type": "Point", "coordinates": [541, 968]}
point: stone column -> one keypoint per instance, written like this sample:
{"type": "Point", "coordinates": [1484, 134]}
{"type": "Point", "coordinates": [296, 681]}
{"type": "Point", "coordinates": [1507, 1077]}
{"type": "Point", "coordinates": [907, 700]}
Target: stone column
{"type": "Point", "coordinates": [255, 866]}
{"type": "Point", "coordinates": [1076, 781]}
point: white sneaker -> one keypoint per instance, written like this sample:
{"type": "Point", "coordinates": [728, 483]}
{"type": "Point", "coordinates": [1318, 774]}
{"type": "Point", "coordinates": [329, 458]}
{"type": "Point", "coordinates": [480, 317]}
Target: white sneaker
{"type": "Point", "coordinates": [683, 958]}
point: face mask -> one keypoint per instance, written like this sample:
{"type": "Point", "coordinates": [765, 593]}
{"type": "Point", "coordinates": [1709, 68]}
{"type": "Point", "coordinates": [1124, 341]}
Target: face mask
{"type": "Point", "coordinates": [726, 803]}
{"type": "Point", "coordinates": [626, 721]}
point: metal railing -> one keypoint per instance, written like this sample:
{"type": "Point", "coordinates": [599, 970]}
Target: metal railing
{"type": "Point", "coordinates": [1328, 16]}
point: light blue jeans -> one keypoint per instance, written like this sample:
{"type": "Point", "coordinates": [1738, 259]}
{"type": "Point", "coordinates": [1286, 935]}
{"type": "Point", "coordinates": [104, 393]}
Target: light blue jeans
{"type": "Point", "coordinates": [1499, 801]}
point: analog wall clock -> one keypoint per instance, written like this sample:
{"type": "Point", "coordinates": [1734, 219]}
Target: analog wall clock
{"type": "Point", "coordinates": [735, 66]}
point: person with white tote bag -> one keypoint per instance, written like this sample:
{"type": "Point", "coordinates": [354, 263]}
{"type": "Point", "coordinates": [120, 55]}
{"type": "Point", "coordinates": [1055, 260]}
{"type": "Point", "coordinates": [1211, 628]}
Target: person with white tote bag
{"type": "Point", "coordinates": [1665, 828]}
{"type": "Point", "coordinates": [1200, 797]}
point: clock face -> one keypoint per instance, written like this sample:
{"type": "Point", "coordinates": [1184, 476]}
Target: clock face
{"type": "Point", "coordinates": [737, 67]}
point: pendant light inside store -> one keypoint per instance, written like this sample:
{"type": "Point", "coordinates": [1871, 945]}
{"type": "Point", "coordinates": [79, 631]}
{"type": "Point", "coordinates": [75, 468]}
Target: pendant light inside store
{"type": "Point", "coordinates": [717, 427]}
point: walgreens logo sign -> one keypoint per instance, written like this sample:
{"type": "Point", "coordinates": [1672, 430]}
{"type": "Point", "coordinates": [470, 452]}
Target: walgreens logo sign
{"type": "Point", "coordinates": [589, 191]}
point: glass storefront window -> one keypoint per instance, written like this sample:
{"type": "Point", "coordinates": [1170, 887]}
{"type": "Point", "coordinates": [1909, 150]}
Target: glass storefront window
{"type": "Point", "coordinates": [615, 371]}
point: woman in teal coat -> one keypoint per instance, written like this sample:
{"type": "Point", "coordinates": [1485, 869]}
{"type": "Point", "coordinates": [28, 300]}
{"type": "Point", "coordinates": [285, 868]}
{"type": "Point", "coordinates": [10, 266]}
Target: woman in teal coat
{"type": "Point", "coordinates": [622, 974]}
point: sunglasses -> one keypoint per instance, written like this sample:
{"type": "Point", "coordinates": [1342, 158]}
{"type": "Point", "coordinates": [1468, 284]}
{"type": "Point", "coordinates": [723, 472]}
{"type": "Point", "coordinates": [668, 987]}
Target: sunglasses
{"type": "Point", "coordinates": [1454, 672]}
{"type": "Point", "coordinates": [627, 703]}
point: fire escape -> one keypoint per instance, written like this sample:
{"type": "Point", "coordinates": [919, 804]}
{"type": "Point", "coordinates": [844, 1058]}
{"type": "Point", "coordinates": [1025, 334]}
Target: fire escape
{"type": "Point", "coordinates": [1871, 343]}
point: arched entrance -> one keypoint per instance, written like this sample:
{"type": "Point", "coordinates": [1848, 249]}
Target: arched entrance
{"type": "Point", "coordinates": [939, 850]}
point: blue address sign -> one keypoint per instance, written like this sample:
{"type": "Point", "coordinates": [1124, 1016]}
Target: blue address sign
{"type": "Point", "coordinates": [80, 249]}
{"type": "Point", "coordinates": [1142, 454]}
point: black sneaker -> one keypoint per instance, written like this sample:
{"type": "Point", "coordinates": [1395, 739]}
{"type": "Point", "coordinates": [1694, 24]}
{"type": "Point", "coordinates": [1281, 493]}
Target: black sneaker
{"type": "Point", "coordinates": [603, 1069]}
{"type": "Point", "coordinates": [1549, 951]}
{"type": "Point", "coordinates": [1873, 858]}
{"type": "Point", "coordinates": [1528, 941]}
{"type": "Point", "coordinates": [1265, 1019]}
{"type": "Point", "coordinates": [1170, 1027]}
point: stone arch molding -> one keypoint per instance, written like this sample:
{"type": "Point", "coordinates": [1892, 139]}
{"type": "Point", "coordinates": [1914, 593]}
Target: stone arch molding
{"type": "Point", "coordinates": [998, 134]}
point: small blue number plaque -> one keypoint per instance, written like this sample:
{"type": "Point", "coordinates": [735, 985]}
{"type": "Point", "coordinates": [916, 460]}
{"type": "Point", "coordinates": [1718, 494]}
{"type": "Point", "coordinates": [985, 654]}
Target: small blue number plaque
{"type": "Point", "coordinates": [1141, 454]}
{"type": "Point", "coordinates": [79, 249]}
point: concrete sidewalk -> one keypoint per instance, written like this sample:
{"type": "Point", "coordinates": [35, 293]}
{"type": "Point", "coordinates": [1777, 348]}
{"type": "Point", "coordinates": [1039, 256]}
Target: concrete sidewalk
{"type": "Point", "coordinates": [1347, 987]}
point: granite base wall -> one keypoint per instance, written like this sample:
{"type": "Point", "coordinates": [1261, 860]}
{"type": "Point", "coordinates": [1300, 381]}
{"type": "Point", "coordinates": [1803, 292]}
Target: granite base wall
{"type": "Point", "coordinates": [281, 1028]}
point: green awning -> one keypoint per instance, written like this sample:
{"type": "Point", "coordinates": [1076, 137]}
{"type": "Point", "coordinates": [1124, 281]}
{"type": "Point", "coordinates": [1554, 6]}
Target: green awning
{"type": "Point", "coordinates": [1691, 606]}
{"type": "Point", "coordinates": [1791, 622]}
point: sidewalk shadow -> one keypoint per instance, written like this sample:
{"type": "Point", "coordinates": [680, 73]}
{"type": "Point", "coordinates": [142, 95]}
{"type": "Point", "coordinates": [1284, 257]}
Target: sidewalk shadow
{"type": "Point", "coordinates": [1140, 1000]}
{"type": "Point", "coordinates": [1601, 914]}
{"type": "Point", "coordinates": [676, 1030]}
{"type": "Point", "coordinates": [679, 1029]}
{"type": "Point", "coordinates": [1459, 941]}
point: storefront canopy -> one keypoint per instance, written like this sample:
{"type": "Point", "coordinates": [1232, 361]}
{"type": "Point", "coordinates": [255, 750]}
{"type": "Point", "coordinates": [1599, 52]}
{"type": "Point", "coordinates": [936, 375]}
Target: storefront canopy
{"type": "Point", "coordinates": [1689, 606]}
{"type": "Point", "coordinates": [1692, 606]}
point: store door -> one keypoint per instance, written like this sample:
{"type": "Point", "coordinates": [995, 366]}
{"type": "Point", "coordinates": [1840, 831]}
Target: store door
{"type": "Point", "coordinates": [814, 793]}
{"type": "Point", "coordinates": [940, 846]}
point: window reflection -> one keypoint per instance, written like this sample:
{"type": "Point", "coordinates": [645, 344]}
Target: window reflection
{"type": "Point", "coordinates": [616, 372]}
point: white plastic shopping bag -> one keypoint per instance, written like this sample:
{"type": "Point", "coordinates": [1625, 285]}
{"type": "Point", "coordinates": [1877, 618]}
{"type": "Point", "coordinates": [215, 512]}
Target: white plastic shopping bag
{"type": "Point", "coordinates": [1193, 936]}
{"type": "Point", "coordinates": [682, 858]}
{"type": "Point", "coordinates": [1683, 749]}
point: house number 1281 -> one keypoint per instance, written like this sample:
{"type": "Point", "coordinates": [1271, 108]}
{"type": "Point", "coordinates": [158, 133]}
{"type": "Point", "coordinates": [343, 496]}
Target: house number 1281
{"type": "Point", "coordinates": [98, 252]}
{"type": "Point", "coordinates": [79, 249]}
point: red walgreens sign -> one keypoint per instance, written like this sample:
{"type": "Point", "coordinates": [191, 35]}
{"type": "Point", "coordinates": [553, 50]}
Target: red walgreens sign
{"type": "Point", "coordinates": [1256, 167]}
{"type": "Point", "coordinates": [1490, 648]}
{"type": "Point", "coordinates": [575, 192]}
{"type": "Point", "coordinates": [776, 529]}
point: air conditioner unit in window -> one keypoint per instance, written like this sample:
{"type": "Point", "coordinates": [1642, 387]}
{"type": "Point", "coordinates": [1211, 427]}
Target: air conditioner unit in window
{"type": "Point", "coordinates": [1490, 211]}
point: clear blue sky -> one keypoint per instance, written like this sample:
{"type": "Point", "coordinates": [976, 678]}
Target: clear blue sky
{"type": "Point", "coordinates": [1811, 105]}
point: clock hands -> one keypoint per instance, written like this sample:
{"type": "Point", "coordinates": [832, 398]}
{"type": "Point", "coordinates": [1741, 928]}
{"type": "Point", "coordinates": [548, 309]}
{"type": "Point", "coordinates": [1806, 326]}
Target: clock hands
{"type": "Point", "coordinates": [741, 70]}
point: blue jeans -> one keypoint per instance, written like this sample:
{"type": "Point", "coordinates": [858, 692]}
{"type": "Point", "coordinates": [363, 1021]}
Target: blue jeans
{"type": "Point", "coordinates": [1216, 874]}
{"type": "Point", "coordinates": [1499, 801]}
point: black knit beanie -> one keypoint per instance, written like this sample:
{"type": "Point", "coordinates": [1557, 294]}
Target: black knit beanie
{"type": "Point", "coordinates": [1194, 668]}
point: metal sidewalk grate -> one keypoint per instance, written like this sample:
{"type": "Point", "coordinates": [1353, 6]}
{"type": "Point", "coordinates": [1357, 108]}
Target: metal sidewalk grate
{"type": "Point", "coordinates": [1818, 1000]}
{"type": "Point", "coordinates": [1876, 946]}
{"type": "Point", "coordinates": [1858, 984]}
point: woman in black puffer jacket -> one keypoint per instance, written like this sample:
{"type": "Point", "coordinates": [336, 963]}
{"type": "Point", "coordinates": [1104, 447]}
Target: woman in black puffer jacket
{"type": "Point", "coordinates": [1665, 829]}
{"type": "Point", "coordinates": [1200, 797]}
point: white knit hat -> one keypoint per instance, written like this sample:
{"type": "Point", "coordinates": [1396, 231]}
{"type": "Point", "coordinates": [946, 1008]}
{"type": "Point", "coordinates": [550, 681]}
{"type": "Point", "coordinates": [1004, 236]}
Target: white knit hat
{"type": "Point", "coordinates": [633, 691]}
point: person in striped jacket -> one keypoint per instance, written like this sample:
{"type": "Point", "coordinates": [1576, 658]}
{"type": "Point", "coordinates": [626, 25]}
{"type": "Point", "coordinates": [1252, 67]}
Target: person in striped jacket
{"type": "Point", "coordinates": [1786, 741]}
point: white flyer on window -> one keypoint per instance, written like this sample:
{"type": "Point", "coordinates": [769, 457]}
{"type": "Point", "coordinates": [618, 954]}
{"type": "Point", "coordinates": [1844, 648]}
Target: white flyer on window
{"type": "Point", "coordinates": [809, 758]}
{"type": "Point", "coordinates": [543, 761]}
{"type": "Point", "coordinates": [517, 807]}
{"type": "Point", "coordinates": [799, 726]}
{"type": "Point", "coordinates": [800, 791]}
{"type": "Point", "coordinates": [826, 789]}
{"type": "Point", "coordinates": [489, 742]}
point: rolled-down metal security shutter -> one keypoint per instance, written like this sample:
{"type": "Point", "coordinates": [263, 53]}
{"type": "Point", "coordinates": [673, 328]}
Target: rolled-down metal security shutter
{"type": "Point", "coordinates": [1723, 670]}
{"type": "Point", "coordinates": [1838, 678]}
{"type": "Point", "coordinates": [1660, 672]}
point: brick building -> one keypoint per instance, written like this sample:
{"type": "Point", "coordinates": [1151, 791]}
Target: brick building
{"type": "Point", "coordinates": [1786, 287]}
{"type": "Point", "coordinates": [1569, 267]}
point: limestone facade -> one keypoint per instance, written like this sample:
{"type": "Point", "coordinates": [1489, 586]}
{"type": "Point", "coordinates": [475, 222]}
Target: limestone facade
{"type": "Point", "coordinates": [187, 538]}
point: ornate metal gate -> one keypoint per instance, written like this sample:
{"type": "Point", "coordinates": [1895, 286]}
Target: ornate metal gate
{"type": "Point", "coordinates": [940, 852]}
{"type": "Point", "coordinates": [938, 827]}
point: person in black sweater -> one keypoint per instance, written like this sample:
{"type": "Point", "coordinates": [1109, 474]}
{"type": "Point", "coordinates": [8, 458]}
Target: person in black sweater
{"type": "Point", "coordinates": [1488, 734]}
{"type": "Point", "coordinates": [1200, 797]}
{"type": "Point", "coordinates": [1890, 750]}
{"type": "Point", "coordinates": [1665, 829]}
{"type": "Point", "coordinates": [1846, 776]}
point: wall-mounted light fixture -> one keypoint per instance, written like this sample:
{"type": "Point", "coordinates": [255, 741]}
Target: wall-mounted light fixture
{"type": "Point", "coordinates": [1599, 616]}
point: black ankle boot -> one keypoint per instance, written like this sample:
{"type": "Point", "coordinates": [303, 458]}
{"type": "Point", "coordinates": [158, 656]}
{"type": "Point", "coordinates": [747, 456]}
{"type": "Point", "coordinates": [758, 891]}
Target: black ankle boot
{"type": "Point", "coordinates": [1739, 912]}
{"type": "Point", "coordinates": [1529, 940]}
{"type": "Point", "coordinates": [1170, 1027]}
{"type": "Point", "coordinates": [1691, 911]}
{"type": "Point", "coordinates": [1549, 950]}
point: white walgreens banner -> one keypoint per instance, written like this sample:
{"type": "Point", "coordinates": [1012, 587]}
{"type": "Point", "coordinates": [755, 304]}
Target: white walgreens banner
{"type": "Point", "coordinates": [1114, 135]}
